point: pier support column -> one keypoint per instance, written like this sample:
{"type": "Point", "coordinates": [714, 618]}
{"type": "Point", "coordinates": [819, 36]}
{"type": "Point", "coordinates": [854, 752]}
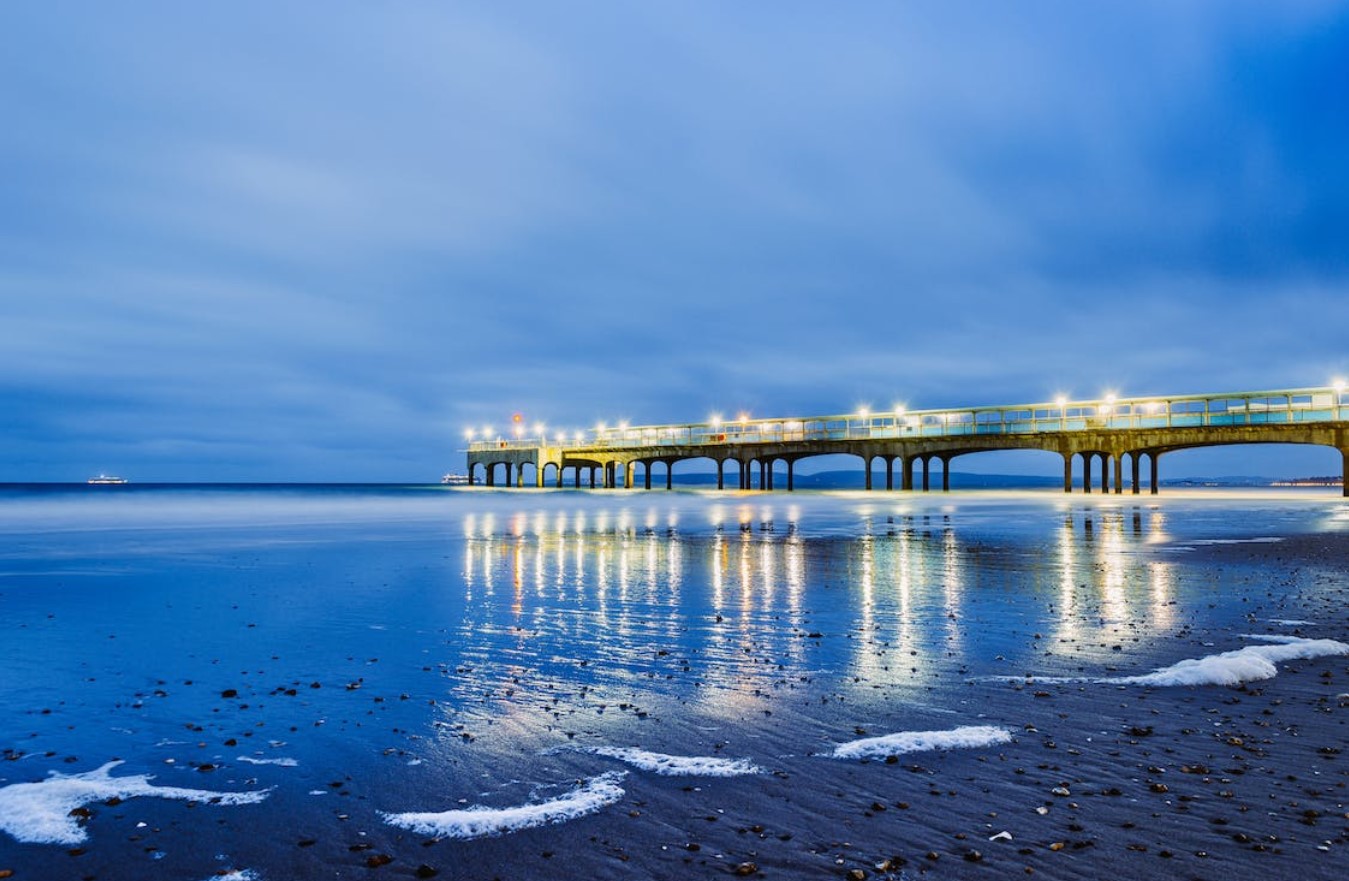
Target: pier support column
{"type": "Point", "coordinates": [630, 475]}
{"type": "Point", "coordinates": [771, 463]}
{"type": "Point", "coordinates": [1068, 472]}
{"type": "Point", "coordinates": [1344, 472]}
{"type": "Point", "coordinates": [791, 467]}
{"type": "Point", "coordinates": [490, 479]}
{"type": "Point", "coordinates": [538, 476]}
{"type": "Point", "coordinates": [1105, 474]}
{"type": "Point", "coordinates": [1156, 457]}
{"type": "Point", "coordinates": [1133, 465]}
{"type": "Point", "coordinates": [945, 474]}
{"type": "Point", "coordinates": [1088, 461]}
{"type": "Point", "coordinates": [520, 476]}
{"type": "Point", "coordinates": [669, 474]}
{"type": "Point", "coordinates": [889, 472]}
{"type": "Point", "coordinates": [721, 474]}
{"type": "Point", "coordinates": [744, 473]}
{"type": "Point", "coordinates": [1119, 473]}
{"type": "Point", "coordinates": [906, 473]}
{"type": "Point", "coordinates": [471, 469]}
{"type": "Point", "coordinates": [927, 467]}
{"type": "Point", "coordinates": [763, 475]}
{"type": "Point", "coordinates": [866, 471]}
{"type": "Point", "coordinates": [646, 476]}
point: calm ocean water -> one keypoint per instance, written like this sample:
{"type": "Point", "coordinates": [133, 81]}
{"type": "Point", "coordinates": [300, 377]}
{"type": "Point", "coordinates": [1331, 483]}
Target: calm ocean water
{"type": "Point", "coordinates": [484, 684]}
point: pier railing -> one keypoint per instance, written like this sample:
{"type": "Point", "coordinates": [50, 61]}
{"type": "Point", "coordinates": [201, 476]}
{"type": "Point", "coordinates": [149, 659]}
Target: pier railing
{"type": "Point", "coordinates": [1283, 406]}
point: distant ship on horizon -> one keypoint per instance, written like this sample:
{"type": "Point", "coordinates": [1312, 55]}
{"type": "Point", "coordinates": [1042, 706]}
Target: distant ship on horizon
{"type": "Point", "coordinates": [106, 479]}
{"type": "Point", "coordinates": [455, 480]}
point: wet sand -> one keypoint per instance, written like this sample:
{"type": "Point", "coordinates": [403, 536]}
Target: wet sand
{"type": "Point", "coordinates": [562, 709]}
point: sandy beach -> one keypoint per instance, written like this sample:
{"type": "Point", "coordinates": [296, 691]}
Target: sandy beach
{"type": "Point", "coordinates": [696, 687]}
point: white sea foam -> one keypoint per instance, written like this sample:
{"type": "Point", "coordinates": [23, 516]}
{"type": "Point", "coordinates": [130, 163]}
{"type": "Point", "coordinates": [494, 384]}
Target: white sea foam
{"type": "Point", "coordinates": [677, 766]}
{"type": "Point", "coordinates": [480, 821]}
{"type": "Point", "coordinates": [240, 875]}
{"type": "Point", "coordinates": [1249, 664]}
{"type": "Point", "coordinates": [920, 741]}
{"type": "Point", "coordinates": [39, 813]}
{"type": "Point", "coordinates": [285, 763]}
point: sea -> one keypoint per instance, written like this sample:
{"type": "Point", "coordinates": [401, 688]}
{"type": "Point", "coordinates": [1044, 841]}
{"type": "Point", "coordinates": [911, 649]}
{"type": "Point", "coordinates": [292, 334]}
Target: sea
{"type": "Point", "coordinates": [291, 682]}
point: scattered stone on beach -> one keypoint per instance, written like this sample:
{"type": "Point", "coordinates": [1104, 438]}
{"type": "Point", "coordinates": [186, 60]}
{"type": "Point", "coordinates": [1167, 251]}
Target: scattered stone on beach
{"type": "Point", "coordinates": [746, 868]}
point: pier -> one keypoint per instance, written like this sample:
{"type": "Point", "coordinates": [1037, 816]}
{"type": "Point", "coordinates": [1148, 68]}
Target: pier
{"type": "Point", "coordinates": [1105, 441]}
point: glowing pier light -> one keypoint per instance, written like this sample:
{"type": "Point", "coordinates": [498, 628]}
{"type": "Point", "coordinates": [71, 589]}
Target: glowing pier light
{"type": "Point", "coordinates": [600, 428]}
{"type": "Point", "coordinates": [1339, 385]}
{"type": "Point", "coordinates": [863, 412]}
{"type": "Point", "coordinates": [899, 409]}
{"type": "Point", "coordinates": [518, 430]}
{"type": "Point", "coordinates": [538, 428]}
{"type": "Point", "coordinates": [1061, 401]}
{"type": "Point", "coordinates": [470, 434]}
{"type": "Point", "coordinates": [743, 418]}
{"type": "Point", "coordinates": [486, 431]}
{"type": "Point", "coordinates": [623, 426]}
{"type": "Point", "coordinates": [714, 420]}
{"type": "Point", "coordinates": [578, 436]}
{"type": "Point", "coordinates": [1153, 407]}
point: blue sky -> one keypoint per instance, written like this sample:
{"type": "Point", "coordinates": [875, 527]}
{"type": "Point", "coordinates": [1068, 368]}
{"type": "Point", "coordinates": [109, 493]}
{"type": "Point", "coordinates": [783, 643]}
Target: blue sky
{"type": "Point", "coordinates": [314, 241]}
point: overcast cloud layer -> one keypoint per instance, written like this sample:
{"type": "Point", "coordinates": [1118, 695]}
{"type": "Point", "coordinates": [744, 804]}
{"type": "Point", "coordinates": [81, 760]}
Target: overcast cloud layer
{"type": "Point", "coordinates": [314, 241]}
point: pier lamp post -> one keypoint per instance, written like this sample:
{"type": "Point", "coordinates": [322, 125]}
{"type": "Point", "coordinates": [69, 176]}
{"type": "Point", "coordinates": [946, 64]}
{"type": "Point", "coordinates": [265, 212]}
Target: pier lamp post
{"type": "Point", "coordinates": [1338, 385]}
{"type": "Point", "coordinates": [1062, 404]}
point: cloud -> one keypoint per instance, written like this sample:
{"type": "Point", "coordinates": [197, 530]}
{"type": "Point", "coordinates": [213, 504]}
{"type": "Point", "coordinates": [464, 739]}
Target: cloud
{"type": "Point", "coordinates": [340, 232]}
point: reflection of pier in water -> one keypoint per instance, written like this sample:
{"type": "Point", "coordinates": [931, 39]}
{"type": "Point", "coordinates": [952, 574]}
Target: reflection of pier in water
{"type": "Point", "coordinates": [744, 604]}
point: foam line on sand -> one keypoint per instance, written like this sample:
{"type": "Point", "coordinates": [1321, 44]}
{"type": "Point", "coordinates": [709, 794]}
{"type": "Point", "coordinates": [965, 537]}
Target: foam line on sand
{"type": "Point", "coordinates": [967, 736]}
{"type": "Point", "coordinates": [480, 821]}
{"type": "Point", "coordinates": [40, 813]}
